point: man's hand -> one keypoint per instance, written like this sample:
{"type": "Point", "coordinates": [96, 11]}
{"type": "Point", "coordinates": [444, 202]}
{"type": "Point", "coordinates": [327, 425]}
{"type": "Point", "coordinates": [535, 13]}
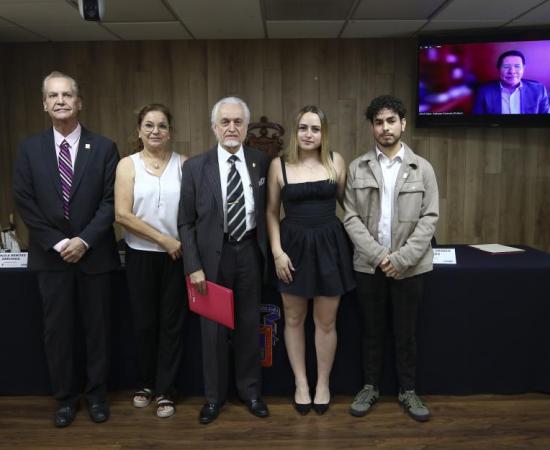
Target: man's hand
{"type": "Point", "coordinates": [73, 250]}
{"type": "Point", "coordinates": [388, 268]}
{"type": "Point", "coordinates": [198, 281]}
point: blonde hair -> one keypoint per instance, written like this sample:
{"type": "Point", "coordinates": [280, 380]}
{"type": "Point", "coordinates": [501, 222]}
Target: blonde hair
{"type": "Point", "coordinates": [291, 154]}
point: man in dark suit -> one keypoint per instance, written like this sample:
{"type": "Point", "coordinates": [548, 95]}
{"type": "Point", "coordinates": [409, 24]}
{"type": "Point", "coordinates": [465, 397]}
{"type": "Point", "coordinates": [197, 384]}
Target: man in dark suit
{"type": "Point", "coordinates": [511, 94]}
{"type": "Point", "coordinates": [63, 187]}
{"type": "Point", "coordinates": [222, 228]}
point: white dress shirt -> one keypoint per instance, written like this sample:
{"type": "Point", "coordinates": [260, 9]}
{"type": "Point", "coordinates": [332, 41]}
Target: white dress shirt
{"type": "Point", "coordinates": [510, 100]}
{"type": "Point", "coordinates": [225, 165]}
{"type": "Point", "coordinates": [390, 169]}
{"type": "Point", "coordinates": [73, 139]}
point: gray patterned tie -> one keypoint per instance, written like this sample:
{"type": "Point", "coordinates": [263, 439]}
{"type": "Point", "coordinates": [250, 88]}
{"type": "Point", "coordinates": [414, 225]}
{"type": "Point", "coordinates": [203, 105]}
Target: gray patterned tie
{"type": "Point", "coordinates": [236, 211]}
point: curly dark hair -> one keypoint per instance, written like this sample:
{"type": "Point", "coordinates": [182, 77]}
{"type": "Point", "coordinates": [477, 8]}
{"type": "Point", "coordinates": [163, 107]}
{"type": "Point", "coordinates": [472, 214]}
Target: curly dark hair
{"type": "Point", "coordinates": [385, 102]}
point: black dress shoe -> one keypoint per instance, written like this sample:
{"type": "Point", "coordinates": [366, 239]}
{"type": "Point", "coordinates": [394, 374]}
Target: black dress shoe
{"type": "Point", "coordinates": [257, 407]}
{"type": "Point", "coordinates": [99, 411]}
{"type": "Point", "coordinates": [64, 416]}
{"type": "Point", "coordinates": [302, 408]}
{"type": "Point", "coordinates": [321, 408]}
{"type": "Point", "coordinates": [209, 412]}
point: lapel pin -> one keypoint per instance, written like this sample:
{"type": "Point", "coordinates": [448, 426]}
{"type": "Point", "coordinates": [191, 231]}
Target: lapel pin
{"type": "Point", "coordinates": [253, 164]}
{"type": "Point", "coordinates": [87, 146]}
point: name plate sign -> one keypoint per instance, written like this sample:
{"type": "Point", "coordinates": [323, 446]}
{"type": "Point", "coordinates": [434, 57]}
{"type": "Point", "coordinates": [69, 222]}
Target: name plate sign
{"type": "Point", "coordinates": [444, 256]}
{"type": "Point", "coordinates": [13, 260]}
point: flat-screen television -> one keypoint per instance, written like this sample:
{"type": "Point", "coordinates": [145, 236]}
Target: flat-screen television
{"type": "Point", "coordinates": [484, 80]}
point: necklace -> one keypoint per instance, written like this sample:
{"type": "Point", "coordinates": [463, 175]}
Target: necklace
{"type": "Point", "coordinates": [313, 162]}
{"type": "Point", "coordinates": [307, 166]}
{"type": "Point", "coordinates": [154, 162]}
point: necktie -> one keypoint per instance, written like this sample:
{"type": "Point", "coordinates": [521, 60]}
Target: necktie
{"type": "Point", "coordinates": [236, 212]}
{"type": "Point", "coordinates": [66, 174]}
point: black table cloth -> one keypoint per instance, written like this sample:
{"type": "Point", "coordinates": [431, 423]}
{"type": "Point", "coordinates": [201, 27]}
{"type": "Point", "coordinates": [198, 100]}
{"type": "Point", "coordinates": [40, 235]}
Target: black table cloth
{"type": "Point", "coordinates": [483, 328]}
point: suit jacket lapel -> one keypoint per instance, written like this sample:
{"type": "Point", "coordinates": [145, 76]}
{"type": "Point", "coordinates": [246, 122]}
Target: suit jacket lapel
{"type": "Point", "coordinates": [213, 177]}
{"type": "Point", "coordinates": [50, 157]}
{"type": "Point", "coordinates": [85, 147]}
{"type": "Point", "coordinates": [497, 99]}
{"type": "Point", "coordinates": [252, 166]}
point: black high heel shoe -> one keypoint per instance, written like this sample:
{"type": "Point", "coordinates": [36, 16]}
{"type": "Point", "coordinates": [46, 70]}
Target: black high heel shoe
{"type": "Point", "coordinates": [302, 408]}
{"type": "Point", "coordinates": [321, 408]}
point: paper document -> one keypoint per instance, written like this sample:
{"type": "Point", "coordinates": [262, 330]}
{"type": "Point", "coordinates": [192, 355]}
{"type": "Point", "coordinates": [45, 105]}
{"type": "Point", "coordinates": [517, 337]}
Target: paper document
{"type": "Point", "coordinates": [495, 249]}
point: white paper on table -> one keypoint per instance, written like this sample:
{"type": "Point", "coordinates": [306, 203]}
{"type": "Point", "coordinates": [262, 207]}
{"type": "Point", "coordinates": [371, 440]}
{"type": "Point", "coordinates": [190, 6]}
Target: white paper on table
{"type": "Point", "coordinates": [497, 248]}
{"type": "Point", "coordinates": [444, 256]}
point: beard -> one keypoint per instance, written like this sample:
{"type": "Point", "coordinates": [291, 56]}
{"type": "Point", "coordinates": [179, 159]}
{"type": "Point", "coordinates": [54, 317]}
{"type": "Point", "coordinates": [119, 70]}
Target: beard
{"type": "Point", "coordinates": [385, 142]}
{"type": "Point", "coordinates": [231, 143]}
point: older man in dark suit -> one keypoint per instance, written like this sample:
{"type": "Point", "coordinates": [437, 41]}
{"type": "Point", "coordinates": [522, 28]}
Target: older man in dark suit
{"type": "Point", "coordinates": [63, 187]}
{"type": "Point", "coordinates": [222, 228]}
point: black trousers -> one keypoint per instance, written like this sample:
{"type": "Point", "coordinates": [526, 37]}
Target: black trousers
{"type": "Point", "coordinates": [64, 293]}
{"type": "Point", "coordinates": [240, 270]}
{"type": "Point", "coordinates": [375, 293]}
{"type": "Point", "coordinates": [158, 296]}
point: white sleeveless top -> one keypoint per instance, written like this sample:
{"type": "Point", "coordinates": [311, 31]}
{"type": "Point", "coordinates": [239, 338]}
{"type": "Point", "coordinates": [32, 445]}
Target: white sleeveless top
{"type": "Point", "coordinates": [156, 201]}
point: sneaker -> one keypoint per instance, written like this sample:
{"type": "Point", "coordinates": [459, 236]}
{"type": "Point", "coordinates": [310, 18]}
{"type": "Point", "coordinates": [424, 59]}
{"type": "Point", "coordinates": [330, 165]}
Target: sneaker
{"type": "Point", "coordinates": [413, 406]}
{"type": "Point", "coordinates": [364, 400]}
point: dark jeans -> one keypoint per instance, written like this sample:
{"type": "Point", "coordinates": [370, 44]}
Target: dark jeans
{"type": "Point", "coordinates": [374, 292]}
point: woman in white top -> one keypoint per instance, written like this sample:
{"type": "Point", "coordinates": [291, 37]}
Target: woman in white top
{"type": "Point", "coordinates": [147, 192]}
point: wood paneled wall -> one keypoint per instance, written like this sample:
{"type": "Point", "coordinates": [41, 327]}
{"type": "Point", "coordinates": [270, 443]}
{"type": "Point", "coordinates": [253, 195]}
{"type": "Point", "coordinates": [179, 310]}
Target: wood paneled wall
{"type": "Point", "coordinates": [494, 184]}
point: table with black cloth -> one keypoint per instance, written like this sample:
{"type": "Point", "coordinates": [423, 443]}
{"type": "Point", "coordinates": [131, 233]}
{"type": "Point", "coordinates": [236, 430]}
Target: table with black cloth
{"type": "Point", "coordinates": [483, 327]}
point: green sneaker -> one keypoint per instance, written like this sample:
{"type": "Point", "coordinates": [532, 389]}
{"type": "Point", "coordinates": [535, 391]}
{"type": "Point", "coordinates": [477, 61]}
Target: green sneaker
{"type": "Point", "coordinates": [413, 406]}
{"type": "Point", "coordinates": [364, 400]}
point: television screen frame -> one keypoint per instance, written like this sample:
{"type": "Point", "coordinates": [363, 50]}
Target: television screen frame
{"type": "Point", "coordinates": [478, 120]}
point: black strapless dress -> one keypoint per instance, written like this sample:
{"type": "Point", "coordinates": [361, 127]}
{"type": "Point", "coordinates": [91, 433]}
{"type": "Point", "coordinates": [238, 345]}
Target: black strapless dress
{"type": "Point", "coordinates": [315, 240]}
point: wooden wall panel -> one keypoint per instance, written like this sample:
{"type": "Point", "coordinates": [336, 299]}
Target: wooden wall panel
{"type": "Point", "coordinates": [494, 184]}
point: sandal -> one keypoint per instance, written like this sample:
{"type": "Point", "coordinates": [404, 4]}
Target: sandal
{"type": "Point", "coordinates": [165, 407]}
{"type": "Point", "coordinates": [142, 398]}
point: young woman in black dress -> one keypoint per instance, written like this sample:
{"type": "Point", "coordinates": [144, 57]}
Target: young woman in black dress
{"type": "Point", "coordinates": [310, 248]}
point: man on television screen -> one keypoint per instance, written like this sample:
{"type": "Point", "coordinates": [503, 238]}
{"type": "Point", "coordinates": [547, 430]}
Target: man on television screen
{"type": "Point", "coordinates": [511, 94]}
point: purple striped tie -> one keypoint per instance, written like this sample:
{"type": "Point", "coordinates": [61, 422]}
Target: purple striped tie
{"type": "Point", "coordinates": [66, 173]}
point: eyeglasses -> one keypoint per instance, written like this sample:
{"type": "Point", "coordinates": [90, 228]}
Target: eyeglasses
{"type": "Point", "coordinates": [149, 127]}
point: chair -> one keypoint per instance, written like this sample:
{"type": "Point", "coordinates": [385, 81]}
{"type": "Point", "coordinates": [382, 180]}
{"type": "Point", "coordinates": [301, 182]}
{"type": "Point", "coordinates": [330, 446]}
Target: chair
{"type": "Point", "coordinates": [265, 136]}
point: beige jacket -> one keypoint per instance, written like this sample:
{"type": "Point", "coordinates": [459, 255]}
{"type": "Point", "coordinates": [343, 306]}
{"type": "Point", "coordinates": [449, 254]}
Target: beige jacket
{"type": "Point", "coordinates": [415, 214]}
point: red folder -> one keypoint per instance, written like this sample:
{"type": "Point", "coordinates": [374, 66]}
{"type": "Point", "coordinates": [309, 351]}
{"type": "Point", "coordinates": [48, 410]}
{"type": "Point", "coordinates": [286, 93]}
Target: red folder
{"type": "Point", "coordinates": [216, 304]}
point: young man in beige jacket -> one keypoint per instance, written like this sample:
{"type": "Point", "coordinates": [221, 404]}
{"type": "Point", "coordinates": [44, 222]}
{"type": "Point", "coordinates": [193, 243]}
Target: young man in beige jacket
{"type": "Point", "coordinates": [392, 207]}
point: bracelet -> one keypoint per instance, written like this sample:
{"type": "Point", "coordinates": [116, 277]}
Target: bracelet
{"type": "Point", "coordinates": [277, 257]}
